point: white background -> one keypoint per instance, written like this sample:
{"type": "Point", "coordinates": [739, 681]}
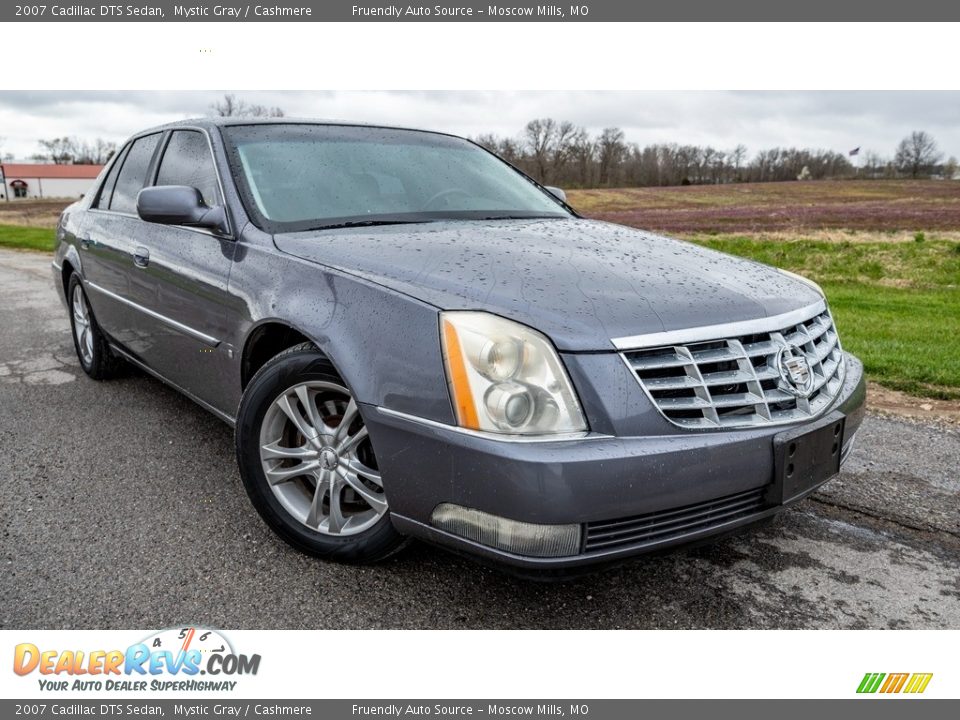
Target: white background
{"type": "Point", "coordinates": [482, 56]}
{"type": "Point", "coordinates": [542, 664]}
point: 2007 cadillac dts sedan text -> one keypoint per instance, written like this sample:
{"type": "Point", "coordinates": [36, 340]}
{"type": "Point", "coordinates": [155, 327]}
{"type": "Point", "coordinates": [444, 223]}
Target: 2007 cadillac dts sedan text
{"type": "Point", "coordinates": [414, 339]}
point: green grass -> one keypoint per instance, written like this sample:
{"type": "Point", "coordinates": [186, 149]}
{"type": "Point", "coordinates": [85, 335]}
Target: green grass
{"type": "Point", "coordinates": [929, 265]}
{"type": "Point", "coordinates": [27, 238]}
{"type": "Point", "coordinates": [897, 305]}
{"type": "Point", "coordinates": [908, 339]}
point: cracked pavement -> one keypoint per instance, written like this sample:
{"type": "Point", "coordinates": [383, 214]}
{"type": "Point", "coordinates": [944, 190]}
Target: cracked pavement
{"type": "Point", "coordinates": [121, 507]}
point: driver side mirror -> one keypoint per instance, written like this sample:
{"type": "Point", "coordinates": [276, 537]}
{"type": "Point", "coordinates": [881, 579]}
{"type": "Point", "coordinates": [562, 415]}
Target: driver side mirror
{"type": "Point", "coordinates": [557, 193]}
{"type": "Point", "coordinates": [179, 205]}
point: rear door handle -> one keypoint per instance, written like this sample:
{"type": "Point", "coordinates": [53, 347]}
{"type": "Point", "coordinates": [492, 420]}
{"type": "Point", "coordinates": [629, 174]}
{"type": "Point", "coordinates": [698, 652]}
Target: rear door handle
{"type": "Point", "coordinates": [141, 257]}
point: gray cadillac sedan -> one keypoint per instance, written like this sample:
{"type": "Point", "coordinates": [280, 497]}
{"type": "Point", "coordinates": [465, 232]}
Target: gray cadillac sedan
{"type": "Point", "coordinates": [413, 339]}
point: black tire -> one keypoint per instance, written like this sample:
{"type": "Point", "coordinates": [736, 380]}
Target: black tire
{"type": "Point", "coordinates": [96, 359]}
{"type": "Point", "coordinates": [299, 364]}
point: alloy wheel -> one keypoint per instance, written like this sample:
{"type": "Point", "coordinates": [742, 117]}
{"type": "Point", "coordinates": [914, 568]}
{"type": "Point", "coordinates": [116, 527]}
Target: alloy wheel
{"type": "Point", "coordinates": [81, 325]}
{"type": "Point", "coordinates": [317, 458]}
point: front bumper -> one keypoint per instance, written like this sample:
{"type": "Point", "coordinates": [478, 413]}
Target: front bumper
{"type": "Point", "coordinates": [712, 477]}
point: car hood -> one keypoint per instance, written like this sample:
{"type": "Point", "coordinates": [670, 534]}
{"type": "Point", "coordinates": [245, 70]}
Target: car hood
{"type": "Point", "coordinates": [581, 282]}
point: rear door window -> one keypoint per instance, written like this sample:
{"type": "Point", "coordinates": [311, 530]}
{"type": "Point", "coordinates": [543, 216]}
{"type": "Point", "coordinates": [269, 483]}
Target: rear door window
{"type": "Point", "coordinates": [187, 161]}
{"type": "Point", "coordinates": [133, 174]}
{"type": "Point", "coordinates": [103, 200]}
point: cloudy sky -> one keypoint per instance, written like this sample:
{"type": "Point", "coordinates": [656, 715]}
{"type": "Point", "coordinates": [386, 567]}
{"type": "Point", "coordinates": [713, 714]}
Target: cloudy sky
{"type": "Point", "coordinates": [833, 120]}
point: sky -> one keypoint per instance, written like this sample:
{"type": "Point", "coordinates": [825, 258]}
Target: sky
{"type": "Point", "coordinates": [838, 120]}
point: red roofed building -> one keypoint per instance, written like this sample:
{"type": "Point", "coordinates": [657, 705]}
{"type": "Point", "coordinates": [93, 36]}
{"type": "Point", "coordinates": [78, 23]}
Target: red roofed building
{"type": "Point", "coordinates": [46, 181]}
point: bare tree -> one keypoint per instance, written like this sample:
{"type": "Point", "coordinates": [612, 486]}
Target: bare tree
{"type": "Point", "coordinates": [507, 148]}
{"type": "Point", "coordinates": [737, 157]}
{"type": "Point", "coordinates": [59, 151]}
{"type": "Point", "coordinates": [97, 152]}
{"type": "Point", "coordinates": [649, 171]}
{"type": "Point", "coordinates": [511, 150]}
{"type": "Point", "coordinates": [611, 150]}
{"type": "Point", "coordinates": [718, 167]}
{"type": "Point", "coordinates": [917, 154]}
{"type": "Point", "coordinates": [226, 107]}
{"type": "Point", "coordinates": [950, 168]}
{"type": "Point", "coordinates": [488, 140]}
{"type": "Point", "coordinates": [232, 106]}
{"type": "Point", "coordinates": [73, 151]}
{"type": "Point", "coordinates": [539, 136]}
{"type": "Point", "coordinates": [562, 149]}
{"type": "Point", "coordinates": [582, 153]}
{"type": "Point", "coordinates": [872, 164]}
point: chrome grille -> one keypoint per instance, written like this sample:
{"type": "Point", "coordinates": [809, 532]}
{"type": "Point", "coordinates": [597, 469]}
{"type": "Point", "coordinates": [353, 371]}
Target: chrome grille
{"type": "Point", "coordinates": [735, 381]}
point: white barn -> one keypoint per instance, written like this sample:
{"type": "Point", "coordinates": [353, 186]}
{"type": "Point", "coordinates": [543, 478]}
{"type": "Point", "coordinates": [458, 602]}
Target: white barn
{"type": "Point", "coordinates": [46, 181]}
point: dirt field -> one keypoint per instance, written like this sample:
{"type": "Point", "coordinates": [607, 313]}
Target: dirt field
{"type": "Point", "coordinates": [895, 206]}
{"type": "Point", "coordinates": [31, 213]}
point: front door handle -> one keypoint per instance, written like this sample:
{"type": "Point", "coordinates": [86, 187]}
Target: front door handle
{"type": "Point", "coordinates": [141, 257]}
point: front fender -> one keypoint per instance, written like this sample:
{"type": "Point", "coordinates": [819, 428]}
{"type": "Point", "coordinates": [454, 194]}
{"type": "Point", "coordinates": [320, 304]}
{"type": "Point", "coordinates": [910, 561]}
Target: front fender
{"type": "Point", "coordinates": [385, 345]}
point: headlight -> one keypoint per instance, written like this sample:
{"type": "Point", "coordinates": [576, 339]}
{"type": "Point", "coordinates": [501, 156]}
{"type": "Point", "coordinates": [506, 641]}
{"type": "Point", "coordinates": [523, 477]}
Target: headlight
{"type": "Point", "coordinates": [506, 378]}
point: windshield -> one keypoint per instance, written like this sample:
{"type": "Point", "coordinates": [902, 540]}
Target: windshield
{"type": "Point", "coordinates": [301, 177]}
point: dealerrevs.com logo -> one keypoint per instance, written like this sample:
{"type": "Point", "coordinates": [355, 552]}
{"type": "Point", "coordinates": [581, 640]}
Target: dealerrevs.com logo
{"type": "Point", "coordinates": [171, 659]}
{"type": "Point", "coordinates": [890, 683]}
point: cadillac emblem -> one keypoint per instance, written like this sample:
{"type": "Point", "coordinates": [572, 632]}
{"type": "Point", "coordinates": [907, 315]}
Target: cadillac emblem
{"type": "Point", "coordinates": [796, 377]}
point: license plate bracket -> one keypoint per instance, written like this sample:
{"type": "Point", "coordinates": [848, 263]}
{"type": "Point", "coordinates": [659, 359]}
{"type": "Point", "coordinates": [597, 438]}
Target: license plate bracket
{"type": "Point", "coordinates": [806, 457]}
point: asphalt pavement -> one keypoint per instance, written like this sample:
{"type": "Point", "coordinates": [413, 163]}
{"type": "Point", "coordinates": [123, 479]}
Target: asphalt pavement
{"type": "Point", "coordinates": [121, 507]}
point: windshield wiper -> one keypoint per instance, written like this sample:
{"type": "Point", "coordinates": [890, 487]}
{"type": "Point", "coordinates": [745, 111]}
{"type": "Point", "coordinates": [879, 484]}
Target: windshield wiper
{"type": "Point", "coordinates": [367, 223]}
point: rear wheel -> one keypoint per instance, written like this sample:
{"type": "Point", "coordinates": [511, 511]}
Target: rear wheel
{"type": "Point", "coordinates": [308, 463]}
{"type": "Point", "coordinates": [93, 351]}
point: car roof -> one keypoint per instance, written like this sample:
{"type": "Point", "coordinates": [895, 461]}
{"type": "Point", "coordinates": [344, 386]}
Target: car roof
{"type": "Point", "coordinates": [218, 122]}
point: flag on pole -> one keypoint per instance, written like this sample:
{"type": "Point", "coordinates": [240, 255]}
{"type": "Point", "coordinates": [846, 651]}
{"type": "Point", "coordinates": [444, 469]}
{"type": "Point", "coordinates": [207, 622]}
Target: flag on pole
{"type": "Point", "coordinates": [855, 151]}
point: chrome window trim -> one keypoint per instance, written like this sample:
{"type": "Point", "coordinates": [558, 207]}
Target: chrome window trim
{"type": "Point", "coordinates": [496, 437]}
{"type": "Point", "coordinates": [186, 329]}
{"type": "Point", "coordinates": [722, 330]}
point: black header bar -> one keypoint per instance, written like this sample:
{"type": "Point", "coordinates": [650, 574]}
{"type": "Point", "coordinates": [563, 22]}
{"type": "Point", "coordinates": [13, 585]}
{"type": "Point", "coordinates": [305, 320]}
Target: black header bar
{"type": "Point", "coordinates": [853, 11]}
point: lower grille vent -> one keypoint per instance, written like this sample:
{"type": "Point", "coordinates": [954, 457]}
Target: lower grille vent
{"type": "Point", "coordinates": [666, 524]}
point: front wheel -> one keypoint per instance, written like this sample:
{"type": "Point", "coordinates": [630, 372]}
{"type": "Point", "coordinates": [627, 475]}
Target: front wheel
{"type": "Point", "coordinates": [307, 461]}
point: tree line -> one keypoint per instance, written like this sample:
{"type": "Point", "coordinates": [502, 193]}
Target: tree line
{"type": "Point", "coordinates": [560, 153]}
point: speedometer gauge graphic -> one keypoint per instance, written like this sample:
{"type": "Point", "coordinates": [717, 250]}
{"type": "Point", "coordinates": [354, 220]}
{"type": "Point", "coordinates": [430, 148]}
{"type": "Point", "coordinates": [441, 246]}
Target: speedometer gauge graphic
{"type": "Point", "coordinates": [181, 639]}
